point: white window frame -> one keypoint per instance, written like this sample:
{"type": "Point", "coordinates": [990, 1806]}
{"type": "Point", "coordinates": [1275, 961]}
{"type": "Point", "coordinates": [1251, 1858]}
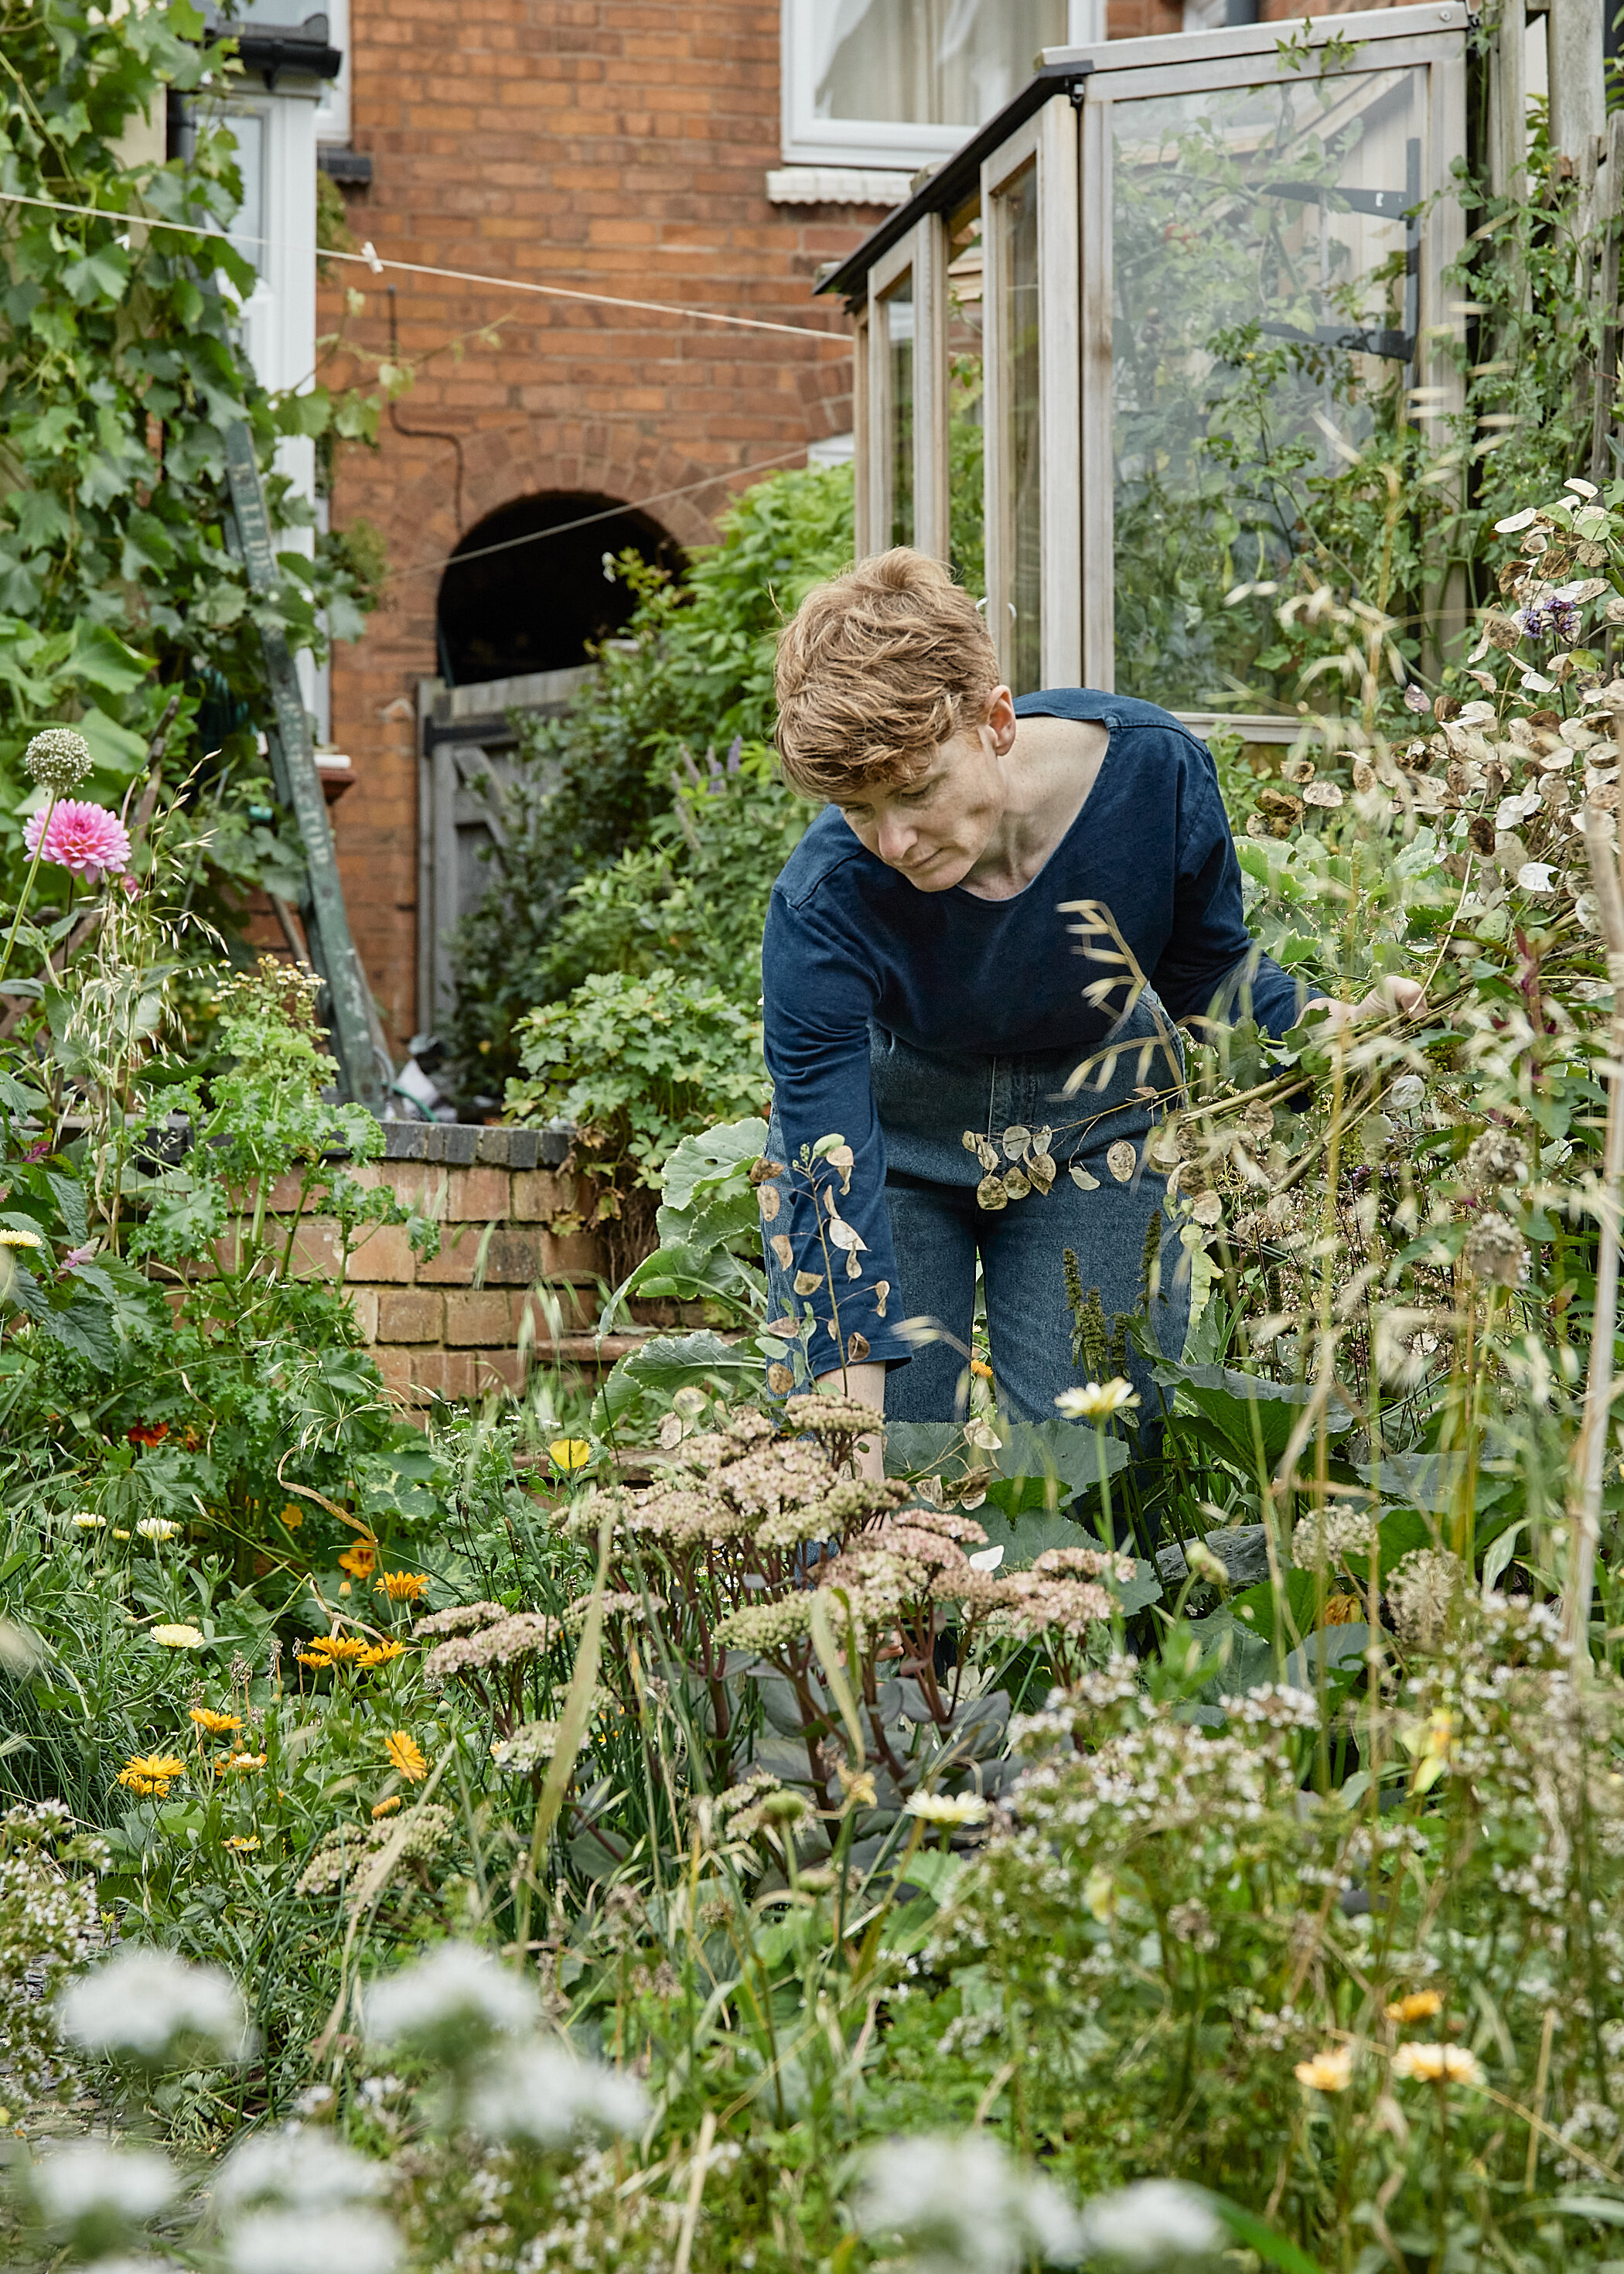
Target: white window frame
{"type": "Point", "coordinates": [809, 140]}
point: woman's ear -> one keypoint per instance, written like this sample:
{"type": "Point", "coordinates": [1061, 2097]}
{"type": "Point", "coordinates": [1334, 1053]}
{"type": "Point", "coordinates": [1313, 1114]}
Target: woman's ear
{"type": "Point", "coordinates": [1000, 720]}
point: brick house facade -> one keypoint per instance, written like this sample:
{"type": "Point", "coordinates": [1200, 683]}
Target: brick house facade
{"type": "Point", "coordinates": [612, 145]}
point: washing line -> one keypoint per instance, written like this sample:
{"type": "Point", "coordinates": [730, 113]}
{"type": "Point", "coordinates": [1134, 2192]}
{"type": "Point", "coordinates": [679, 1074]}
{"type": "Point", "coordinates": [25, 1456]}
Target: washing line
{"type": "Point", "coordinates": [377, 266]}
{"type": "Point", "coordinates": [610, 513]}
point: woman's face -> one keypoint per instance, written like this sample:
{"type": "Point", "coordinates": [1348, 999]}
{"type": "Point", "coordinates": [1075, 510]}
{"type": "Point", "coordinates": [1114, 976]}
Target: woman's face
{"type": "Point", "coordinates": [934, 828]}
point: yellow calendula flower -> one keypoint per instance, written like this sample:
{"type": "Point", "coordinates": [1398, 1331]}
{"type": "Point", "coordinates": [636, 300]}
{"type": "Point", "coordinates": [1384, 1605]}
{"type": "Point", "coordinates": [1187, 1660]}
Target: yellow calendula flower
{"type": "Point", "coordinates": [151, 1775]}
{"type": "Point", "coordinates": [11, 1239]}
{"type": "Point", "coordinates": [568, 1453]}
{"type": "Point", "coordinates": [403, 1586]}
{"type": "Point", "coordinates": [333, 1650]}
{"type": "Point", "coordinates": [176, 1637]}
{"type": "Point", "coordinates": [406, 1755]}
{"type": "Point", "coordinates": [380, 1653]}
{"type": "Point", "coordinates": [215, 1725]}
{"type": "Point", "coordinates": [241, 1764]}
{"type": "Point", "coordinates": [946, 1810]}
{"type": "Point", "coordinates": [1437, 2064]}
{"type": "Point", "coordinates": [386, 1807]}
{"type": "Point", "coordinates": [980, 1368]}
{"type": "Point", "coordinates": [359, 1559]}
{"type": "Point", "coordinates": [1419, 2006]}
{"type": "Point", "coordinates": [1330, 2071]}
{"type": "Point", "coordinates": [292, 1516]}
{"type": "Point", "coordinates": [243, 1843]}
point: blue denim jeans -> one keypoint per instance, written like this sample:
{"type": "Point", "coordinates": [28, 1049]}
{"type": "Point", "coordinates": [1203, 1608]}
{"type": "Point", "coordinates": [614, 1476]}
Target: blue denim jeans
{"type": "Point", "coordinates": [925, 1106]}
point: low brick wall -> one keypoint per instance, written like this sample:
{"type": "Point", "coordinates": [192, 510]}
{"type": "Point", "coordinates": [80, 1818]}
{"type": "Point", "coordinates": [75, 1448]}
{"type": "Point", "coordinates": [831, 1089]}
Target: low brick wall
{"type": "Point", "coordinates": [453, 1327]}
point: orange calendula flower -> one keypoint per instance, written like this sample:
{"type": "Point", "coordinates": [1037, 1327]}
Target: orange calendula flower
{"type": "Point", "coordinates": [215, 1725]}
{"type": "Point", "coordinates": [386, 1807]}
{"type": "Point", "coordinates": [1437, 2064]}
{"type": "Point", "coordinates": [292, 1516]}
{"type": "Point", "coordinates": [403, 1586]}
{"type": "Point", "coordinates": [242, 1764]}
{"type": "Point", "coordinates": [380, 1653]}
{"type": "Point", "coordinates": [151, 1775]}
{"type": "Point", "coordinates": [359, 1559]}
{"type": "Point", "coordinates": [979, 1366]}
{"type": "Point", "coordinates": [243, 1844]}
{"type": "Point", "coordinates": [569, 1452]}
{"type": "Point", "coordinates": [406, 1755]}
{"type": "Point", "coordinates": [1419, 2006]}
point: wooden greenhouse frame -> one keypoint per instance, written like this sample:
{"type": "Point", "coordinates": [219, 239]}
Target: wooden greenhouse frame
{"type": "Point", "coordinates": [1049, 493]}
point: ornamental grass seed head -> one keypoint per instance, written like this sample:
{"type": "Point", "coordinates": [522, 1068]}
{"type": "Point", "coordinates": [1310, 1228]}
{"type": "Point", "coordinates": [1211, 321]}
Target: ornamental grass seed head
{"type": "Point", "coordinates": [58, 759]}
{"type": "Point", "coordinates": [964, 2206]}
{"type": "Point", "coordinates": [449, 2006]}
{"type": "Point", "coordinates": [151, 2008]}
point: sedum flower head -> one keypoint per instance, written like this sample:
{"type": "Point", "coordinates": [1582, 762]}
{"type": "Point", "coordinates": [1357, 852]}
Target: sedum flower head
{"type": "Point", "coordinates": [1151, 2224]}
{"type": "Point", "coordinates": [92, 2193]}
{"type": "Point", "coordinates": [300, 2241]}
{"type": "Point", "coordinates": [543, 2095]}
{"type": "Point", "coordinates": [450, 2004]}
{"type": "Point", "coordinates": [58, 759]}
{"type": "Point", "coordinates": [295, 2168]}
{"type": "Point", "coordinates": [964, 2206]}
{"type": "Point", "coordinates": [145, 2003]}
{"type": "Point", "coordinates": [1098, 1401]}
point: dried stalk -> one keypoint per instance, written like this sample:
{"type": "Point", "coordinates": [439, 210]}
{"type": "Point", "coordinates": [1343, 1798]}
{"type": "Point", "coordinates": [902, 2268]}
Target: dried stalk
{"type": "Point", "coordinates": [1590, 1454]}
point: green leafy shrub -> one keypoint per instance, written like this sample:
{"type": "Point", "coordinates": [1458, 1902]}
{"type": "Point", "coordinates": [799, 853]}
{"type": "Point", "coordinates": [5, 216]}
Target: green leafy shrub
{"type": "Point", "coordinates": [692, 674]}
{"type": "Point", "coordinates": [634, 1064]}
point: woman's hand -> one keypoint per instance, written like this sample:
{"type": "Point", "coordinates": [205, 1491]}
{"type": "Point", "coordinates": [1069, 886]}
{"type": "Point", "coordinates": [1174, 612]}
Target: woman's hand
{"type": "Point", "coordinates": [1394, 997]}
{"type": "Point", "coordinates": [867, 1385]}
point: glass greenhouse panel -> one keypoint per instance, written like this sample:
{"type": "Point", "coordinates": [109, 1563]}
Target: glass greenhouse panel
{"type": "Point", "coordinates": [898, 306]}
{"type": "Point", "coordinates": [1022, 486]}
{"type": "Point", "coordinates": [1265, 262]}
{"type": "Point", "coordinates": [966, 426]}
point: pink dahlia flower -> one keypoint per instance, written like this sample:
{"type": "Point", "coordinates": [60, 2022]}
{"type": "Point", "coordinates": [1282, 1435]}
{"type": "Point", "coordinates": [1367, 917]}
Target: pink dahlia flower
{"type": "Point", "coordinates": [86, 838]}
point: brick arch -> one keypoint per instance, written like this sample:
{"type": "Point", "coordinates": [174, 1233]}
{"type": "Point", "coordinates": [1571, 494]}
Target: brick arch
{"type": "Point", "coordinates": [502, 464]}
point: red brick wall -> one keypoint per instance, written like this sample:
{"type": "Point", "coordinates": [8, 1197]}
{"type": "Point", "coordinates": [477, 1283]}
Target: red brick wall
{"type": "Point", "coordinates": [620, 148]}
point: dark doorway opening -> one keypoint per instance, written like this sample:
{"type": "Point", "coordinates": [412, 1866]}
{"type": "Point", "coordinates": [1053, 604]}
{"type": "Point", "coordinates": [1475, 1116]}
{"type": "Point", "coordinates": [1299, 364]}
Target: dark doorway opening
{"type": "Point", "coordinates": [536, 605]}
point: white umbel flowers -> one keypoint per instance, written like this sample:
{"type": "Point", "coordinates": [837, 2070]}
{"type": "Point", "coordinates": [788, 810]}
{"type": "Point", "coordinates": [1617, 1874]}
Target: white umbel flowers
{"type": "Point", "coordinates": [145, 2005]}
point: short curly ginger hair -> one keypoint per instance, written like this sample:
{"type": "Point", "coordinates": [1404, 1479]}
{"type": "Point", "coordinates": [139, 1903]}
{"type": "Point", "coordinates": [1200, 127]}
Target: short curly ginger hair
{"type": "Point", "coordinates": [875, 670]}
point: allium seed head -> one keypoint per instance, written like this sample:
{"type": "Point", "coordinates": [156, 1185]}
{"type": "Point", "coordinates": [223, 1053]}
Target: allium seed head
{"type": "Point", "coordinates": [57, 759]}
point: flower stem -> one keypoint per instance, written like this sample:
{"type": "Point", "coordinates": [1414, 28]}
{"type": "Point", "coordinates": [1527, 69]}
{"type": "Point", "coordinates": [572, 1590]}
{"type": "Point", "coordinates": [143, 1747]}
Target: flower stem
{"type": "Point", "coordinates": [22, 898]}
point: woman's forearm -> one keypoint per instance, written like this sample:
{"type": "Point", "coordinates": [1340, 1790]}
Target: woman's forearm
{"type": "Point", "coordinates": [867, 1384]}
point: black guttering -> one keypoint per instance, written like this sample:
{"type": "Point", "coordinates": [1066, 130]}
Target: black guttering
{"type": "Point", "coordinates": [272, 48]}
{"type": "Point", "coordinates": [953, 181]}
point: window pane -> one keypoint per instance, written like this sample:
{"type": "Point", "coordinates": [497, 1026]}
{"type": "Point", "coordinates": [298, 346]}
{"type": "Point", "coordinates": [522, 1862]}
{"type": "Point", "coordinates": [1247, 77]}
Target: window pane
{"type": "Point", "coordinates": [940, 63]}
{"type": "Point", "coordinates": [1265, 291]}
{"type": "Point", "coordinates": [1022, 499]}
{"type": "Point", "coordinates": [898, 306]}
{"type": "Point", "coordinates": [965, 426]}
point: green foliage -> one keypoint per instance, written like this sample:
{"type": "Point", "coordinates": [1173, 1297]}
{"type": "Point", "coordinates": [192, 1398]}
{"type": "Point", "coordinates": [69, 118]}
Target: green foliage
{"type": "Point", "coordinates": [613, 786]}
{"type": "Point", "coordinates": [120, 368]}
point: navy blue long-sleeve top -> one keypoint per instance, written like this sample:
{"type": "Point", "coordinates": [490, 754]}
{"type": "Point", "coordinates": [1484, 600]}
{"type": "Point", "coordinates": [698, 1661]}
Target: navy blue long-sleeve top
{"type": "Point", "coordinates": [850, 943]}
